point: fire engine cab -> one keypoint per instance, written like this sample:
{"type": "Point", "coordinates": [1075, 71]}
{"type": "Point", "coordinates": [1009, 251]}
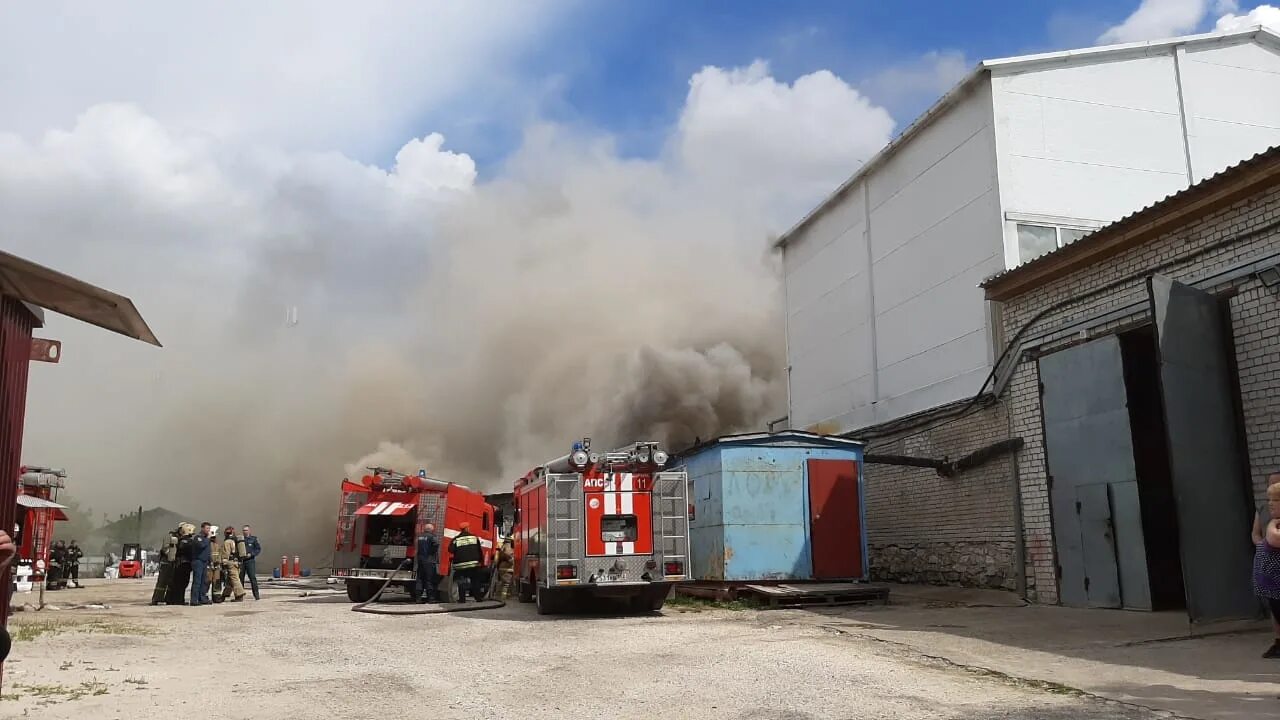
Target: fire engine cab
{"type": "Point", "coordinates": [381, 517]}
{"type": "Point", "coordinates": [594, 525]}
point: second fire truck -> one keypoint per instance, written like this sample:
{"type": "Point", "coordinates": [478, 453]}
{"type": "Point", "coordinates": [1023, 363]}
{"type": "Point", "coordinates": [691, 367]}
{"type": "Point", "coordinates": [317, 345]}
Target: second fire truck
{"type": "Point", "coordinates": [594, 525]}
{"type": "Point", "coordinates": [381, 516]}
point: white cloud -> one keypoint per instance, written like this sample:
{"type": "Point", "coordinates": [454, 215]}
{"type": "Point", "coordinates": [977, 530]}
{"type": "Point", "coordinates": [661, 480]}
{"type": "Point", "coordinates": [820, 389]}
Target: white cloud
{"type": "Point", "coordinates": [479, 327]}
{"type": "Point", "coordinates": [799, 141]}
{"type": "Point", "coordinates": [1156, 19]}
{"type": "Point", "coordinates": [1268, 15]}
{"type": "Point", "coordinates": [300, 74]}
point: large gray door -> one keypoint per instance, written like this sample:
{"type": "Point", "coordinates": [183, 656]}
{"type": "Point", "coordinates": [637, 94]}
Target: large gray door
{"type": "Point", "coordinates": [1089, 449]}
{"type": "Point", "coordinates": [1205, 457]}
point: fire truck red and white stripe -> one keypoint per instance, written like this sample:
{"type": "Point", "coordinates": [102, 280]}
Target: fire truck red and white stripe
{"type": "Point", "coordinates": [394, 509]}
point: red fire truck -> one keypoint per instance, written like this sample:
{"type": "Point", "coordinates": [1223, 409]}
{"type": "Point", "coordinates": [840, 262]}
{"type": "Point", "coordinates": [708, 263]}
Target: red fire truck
{"type": "Point", "coordinates": [592, 525]}
{"type": "Point", "coordinates": [381, 517]}
{"type": "Point", "coordinates": [37, 511]}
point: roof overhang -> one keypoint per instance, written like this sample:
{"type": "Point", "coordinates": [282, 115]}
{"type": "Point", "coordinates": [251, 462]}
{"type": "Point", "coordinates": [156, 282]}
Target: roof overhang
{"type": "Point", "coordinates": [1025, 63]}
{"type": "Point", "coordinates": [37, 285]}
{"type": "Point", "coordinates": [800, 437]}
{"type": "Point", "coordinates": [1228, 187]}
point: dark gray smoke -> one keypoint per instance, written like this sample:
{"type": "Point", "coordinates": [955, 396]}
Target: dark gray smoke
{"type": "Point", "coordinates": [471, 329]}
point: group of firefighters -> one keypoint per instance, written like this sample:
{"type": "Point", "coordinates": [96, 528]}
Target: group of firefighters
{"type": "Point", "coordinates": [466, 563]}
{"type": "Point", "coordinates": [64, 565]}
{"type": "Point", "coordinates": [215, 569]}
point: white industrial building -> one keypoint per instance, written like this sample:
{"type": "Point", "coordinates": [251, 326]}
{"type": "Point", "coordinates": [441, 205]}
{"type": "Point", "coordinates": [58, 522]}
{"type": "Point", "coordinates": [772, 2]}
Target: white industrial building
{"type": "Point", "coordinates": [884, 314]}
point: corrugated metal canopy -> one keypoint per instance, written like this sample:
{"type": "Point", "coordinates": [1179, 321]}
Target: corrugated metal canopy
{"type": "Point", "coordinates": [32, 501]}
{"type": "Point", "coordinates": [35, 503]}
{"type": "Point", "coordinates": [63, 294]}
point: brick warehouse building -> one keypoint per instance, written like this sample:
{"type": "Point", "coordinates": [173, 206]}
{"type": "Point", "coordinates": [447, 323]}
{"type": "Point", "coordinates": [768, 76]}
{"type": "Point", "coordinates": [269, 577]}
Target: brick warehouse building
{"type": "Point", "coordinates": [1143, 379]}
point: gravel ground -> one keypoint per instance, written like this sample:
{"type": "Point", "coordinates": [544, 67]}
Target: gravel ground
{"type": "Point", "coordinates": [310, 657]}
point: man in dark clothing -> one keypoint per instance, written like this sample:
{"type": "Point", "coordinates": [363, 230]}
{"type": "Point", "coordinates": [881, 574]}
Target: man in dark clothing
{"type": "Point", "coordinates": [56, 577]}
{"type": "Point", "coordinates": [466, 558]}
{"type": "Point", "coordinates": [426, 558]}
{"type": "Point", "coordinates": [249, 566]}
{"type": "Point", "coordinates": [201, 554]}
{"type": "Point", "coordinates": [74, 553]}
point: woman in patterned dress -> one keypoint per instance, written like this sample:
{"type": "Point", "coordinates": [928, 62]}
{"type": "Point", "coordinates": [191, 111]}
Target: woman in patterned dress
{"type": "Point", "coordinates": [1266, 560]}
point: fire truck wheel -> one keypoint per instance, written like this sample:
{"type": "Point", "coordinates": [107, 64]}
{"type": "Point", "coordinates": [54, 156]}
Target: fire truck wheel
{"type": "Point", "coordinates": [358, 592]}
{"type": "Point", "coordinates": [548, 601]}
{"type": "Point", "coordinates": [525, 594]}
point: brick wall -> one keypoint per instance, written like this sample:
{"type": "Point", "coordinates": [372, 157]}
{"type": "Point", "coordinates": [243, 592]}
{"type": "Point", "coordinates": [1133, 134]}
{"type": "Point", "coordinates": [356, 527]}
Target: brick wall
{"type": "Point", "coordinates": [1255, 317]}
{"type": "Point", "coordinates": [922, 528]}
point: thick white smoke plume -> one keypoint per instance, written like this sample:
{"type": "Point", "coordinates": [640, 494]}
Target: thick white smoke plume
{"type": "Point", "coordinates": [472, 329]}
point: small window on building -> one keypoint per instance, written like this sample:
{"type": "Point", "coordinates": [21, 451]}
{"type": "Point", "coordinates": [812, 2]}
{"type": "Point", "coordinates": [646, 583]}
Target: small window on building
{"type": "Point", "coordinates": [1066, 235]}
{"type": "Point", "coordinates": [619, 528]}
{"type": "Point", "coordinates": [1036, 240]}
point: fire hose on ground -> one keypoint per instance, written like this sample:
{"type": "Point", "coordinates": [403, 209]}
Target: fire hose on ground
{"type": "Point", "coordinates": [487, 604]}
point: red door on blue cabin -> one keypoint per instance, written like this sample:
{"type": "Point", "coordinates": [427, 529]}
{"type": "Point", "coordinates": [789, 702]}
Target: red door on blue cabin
{"type": "Point", "coordinates": [835, 525]}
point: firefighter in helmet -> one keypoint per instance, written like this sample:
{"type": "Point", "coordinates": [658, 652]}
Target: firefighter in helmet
{"type": "Point", "coordinates": [233, 552]}
{"type": "Point", "coordinates": [466, 558]}
{"type": "Point", "coordinates": [74, 553]}
{"type": "Point", "coordinates": [179, 553]}
{"type": "Point", "coordinates": [164, 576]}
{"type": "Point", "coordinates": [214, 576]}
{"type": "Point", "coordinates": [505, 568]}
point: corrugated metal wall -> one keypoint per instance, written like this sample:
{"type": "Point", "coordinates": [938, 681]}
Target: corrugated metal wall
{"type": "Point", "coordinates": [15, 357]}
{"type": "Point", "coordinates": [752, 512]}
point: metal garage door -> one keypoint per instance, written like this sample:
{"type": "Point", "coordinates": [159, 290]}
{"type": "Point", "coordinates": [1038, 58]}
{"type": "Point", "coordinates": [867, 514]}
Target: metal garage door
{"type": "Point", "coordinates": [1209, 481]}
{"type": "Point", "coordinates": [1097, 523]}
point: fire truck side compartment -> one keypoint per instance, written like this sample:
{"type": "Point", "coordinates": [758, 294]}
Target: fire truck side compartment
{"type": "Point", "coordinates": [777, 507]}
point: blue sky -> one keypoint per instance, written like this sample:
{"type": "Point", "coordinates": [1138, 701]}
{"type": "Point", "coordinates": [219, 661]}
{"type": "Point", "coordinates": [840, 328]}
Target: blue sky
{"type": "Point", "coordinates": [624, 67]}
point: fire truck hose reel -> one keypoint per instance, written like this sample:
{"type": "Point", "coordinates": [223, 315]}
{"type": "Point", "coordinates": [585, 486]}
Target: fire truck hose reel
{"type": "Point", "coordinates": [488, 604]}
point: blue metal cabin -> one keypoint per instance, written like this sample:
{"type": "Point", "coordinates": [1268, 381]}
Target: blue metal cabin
{"type": "Point", "coordinates": [782, 506]}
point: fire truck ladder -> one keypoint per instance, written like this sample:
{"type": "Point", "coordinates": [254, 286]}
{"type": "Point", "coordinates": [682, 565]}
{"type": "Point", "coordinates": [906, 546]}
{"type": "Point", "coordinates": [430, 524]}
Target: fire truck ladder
{"type": "Point", "coordinates": [564, 515]}
{"type": "Point", "coordinates": [673, 516]}
{"type": "Point", "coordinates": [347, 519]}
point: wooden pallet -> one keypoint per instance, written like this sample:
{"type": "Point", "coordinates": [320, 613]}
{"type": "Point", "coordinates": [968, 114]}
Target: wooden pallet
{"type": "Point", "coordinates": [806, 595]}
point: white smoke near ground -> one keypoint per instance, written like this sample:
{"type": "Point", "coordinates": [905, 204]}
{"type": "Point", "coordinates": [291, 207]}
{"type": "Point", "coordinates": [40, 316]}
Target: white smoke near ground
{"type": "Point", "coordinates": [470, 329]}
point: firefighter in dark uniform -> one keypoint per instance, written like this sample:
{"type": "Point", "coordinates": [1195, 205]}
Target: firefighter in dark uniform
{"type": "Point", "coordinates": [56, 578]}
{"type": "Point", "coordinates": [200, 553]}
{"type": "Point", "coordinates": [74, 553]}
{"type": "Point", "coordinates": [176, 592]}
{"type": "Point", "coordinates": [466, 557]}
{"type": "Point", "coordinates": [168, 562]}
{"type": "Point", "coordinates": [426, 559]}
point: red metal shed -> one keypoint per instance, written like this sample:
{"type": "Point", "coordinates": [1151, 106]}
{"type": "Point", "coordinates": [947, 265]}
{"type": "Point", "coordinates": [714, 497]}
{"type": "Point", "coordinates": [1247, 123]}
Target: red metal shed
{"type": "Point", "coordinates": [25, 288]}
